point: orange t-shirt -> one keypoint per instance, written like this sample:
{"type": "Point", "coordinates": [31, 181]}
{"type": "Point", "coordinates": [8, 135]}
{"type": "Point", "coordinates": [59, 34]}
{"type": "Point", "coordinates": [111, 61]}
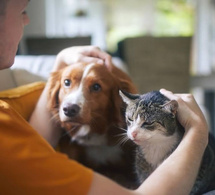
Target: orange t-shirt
{"type": "Point", "coordinates": [28, 164]}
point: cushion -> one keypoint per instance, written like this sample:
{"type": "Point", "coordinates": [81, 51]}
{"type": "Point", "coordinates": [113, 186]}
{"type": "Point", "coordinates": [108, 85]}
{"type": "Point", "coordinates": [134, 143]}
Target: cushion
{"type": "Point", "coordinates": [23, 99]}
{"type": "Point", "coordinates": [6, 79]}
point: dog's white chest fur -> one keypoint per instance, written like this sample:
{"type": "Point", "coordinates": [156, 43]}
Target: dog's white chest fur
{"type": "Point", "coordinates": [104, 154]}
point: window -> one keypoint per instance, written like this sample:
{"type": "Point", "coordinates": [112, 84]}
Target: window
{"type": "Point", "coordinates": [109, 21]}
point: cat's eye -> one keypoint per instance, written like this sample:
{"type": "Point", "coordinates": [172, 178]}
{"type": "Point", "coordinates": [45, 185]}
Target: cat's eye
{"type": "Point", "coordinates": [129, 120]}
{"type": "Point", "coordinates": [148, 125]}
{"type": "Point", "coordinates": [67, 83]}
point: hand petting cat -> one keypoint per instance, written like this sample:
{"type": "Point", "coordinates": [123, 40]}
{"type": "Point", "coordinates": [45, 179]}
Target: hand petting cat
{"type": "Point", "coordinates": [189, 114]}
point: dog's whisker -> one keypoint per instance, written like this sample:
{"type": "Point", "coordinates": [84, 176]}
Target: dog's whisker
{"type": "Point", "coordinates": [94, 123]}
{"type": "Point", "coordinates": [94, 120]}
{"type": "Point", "coordinates": [97, 115]}
{"type": "Point", "coordinates": [68, 131]}
{"type": "Point", "coordinates": [55, 117]}
{"type": "Point", "coordinates": [64, 134]}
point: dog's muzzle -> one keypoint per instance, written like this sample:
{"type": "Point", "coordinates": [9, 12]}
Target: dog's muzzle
{"type": "Point", "coordinates": [71, 110]}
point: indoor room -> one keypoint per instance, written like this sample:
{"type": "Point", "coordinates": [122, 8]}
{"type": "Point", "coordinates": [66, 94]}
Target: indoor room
{"type": "Point", "coordinates": [95, 114]}
{"type": "Point", "coordinates": [159, 41]}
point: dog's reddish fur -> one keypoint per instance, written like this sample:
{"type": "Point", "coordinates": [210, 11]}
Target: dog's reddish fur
{"type": "Point", "coordinates": [102, 110]}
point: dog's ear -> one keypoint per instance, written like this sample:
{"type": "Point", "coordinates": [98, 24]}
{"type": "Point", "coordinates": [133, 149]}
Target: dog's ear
{"type": "Point", "coordinates": [117, 102]}
{"type": "Point", "coordinates": [53, 85]}
{"type": "Point", "coordinates": [127, 85]}
{"type": "Point", "coordinates": [123, 80]}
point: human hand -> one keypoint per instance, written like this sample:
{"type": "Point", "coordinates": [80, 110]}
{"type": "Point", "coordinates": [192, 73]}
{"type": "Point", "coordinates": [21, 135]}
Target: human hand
{"type": "Point", "coordinates": [189, 114]}
{"type": "Point", "coordinates": [86, 54]}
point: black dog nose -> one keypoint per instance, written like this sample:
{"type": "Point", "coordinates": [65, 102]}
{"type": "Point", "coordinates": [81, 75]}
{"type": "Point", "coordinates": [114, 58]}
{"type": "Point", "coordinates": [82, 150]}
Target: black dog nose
{"type": "Point", "coordinates": [71, 110]}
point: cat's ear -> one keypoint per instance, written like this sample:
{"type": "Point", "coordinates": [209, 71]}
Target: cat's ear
{"type": "Point", "coordinates": [128, 98]}
{"type": "Point", "coordinates": [171, 106]}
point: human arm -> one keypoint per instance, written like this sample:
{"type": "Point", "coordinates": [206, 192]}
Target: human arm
{"type": "Point", "coordinates": [30, 164]}
{"type": "Point", "coordinates": [176, 175]}
{"type": "Point", "coordinates": [41, 117]}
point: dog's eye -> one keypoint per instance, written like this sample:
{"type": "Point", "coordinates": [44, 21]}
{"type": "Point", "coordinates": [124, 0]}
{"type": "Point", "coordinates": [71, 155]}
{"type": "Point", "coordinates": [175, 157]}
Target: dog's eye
{"type": "Point", "coordinates": [67, 82]}
{"type": "Point", "coordinates": [95, 87]}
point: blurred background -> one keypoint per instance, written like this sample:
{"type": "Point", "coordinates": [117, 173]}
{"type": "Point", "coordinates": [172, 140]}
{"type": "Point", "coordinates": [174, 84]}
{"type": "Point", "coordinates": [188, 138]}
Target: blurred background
{"type": "Point", "coordinates": [109, 21]}
{"type": "Point", "coordinates": [163, 43]}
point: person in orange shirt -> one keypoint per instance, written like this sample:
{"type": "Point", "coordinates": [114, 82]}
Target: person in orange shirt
{"type": "Point", "coordinates": [30, 165]}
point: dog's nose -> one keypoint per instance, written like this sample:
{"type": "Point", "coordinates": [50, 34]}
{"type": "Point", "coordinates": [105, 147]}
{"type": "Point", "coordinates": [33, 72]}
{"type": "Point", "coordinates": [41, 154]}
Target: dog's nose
{"type": "Point", "coordinates": [71, 110]}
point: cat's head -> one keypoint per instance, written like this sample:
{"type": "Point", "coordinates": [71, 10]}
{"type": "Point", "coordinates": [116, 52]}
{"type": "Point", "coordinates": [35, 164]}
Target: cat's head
{"type": "Point", "coordinates": [150, 116]}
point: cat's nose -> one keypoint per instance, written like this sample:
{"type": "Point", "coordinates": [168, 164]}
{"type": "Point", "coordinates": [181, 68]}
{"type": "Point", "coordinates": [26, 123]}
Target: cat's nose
{"type": "Point", "coordinates": [134, 134]}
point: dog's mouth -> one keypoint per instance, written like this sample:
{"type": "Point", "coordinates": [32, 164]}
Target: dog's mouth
{"type": "Point", "coordinates": [76, 130]}
{"type": "Point", "coordinates": [81, 134]}
{"type": "Point", "coordinates": [71, 126]}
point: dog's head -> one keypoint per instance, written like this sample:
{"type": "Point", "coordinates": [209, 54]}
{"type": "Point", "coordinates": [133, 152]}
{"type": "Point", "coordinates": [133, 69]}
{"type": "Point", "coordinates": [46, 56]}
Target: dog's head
{"type": "Point", "coordinates": [85, 99]}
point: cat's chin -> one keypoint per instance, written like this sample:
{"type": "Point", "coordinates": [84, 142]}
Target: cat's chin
{"type": "Point", "coordinates": [137, 142]}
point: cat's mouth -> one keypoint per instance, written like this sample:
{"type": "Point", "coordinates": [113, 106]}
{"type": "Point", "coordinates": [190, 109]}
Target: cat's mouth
{"type": "Point", "coordinates": [136, 141]}
{"type": "Point", "coordinates": [133, 136]}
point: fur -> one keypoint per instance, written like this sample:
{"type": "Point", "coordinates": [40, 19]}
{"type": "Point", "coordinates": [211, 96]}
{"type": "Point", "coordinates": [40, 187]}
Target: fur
{"type": "Point", "coordinates": [153, 126]}
{"type": "Point", "coordinates": [84, 99]}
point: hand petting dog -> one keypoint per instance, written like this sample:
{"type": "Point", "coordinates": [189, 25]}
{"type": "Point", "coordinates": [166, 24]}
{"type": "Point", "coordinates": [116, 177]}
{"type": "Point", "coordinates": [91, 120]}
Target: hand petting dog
{"type": "Point", "coordinates": [85, 54]}
{"type": "Point", "coordinates": [65, 58]}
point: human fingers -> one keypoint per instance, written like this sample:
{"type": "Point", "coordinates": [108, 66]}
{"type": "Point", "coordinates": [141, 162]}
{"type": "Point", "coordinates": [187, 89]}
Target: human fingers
{"type": "Point", "coordinates": [87, 59]}
{"type": "Point", "coordinates": [71, 55]}
{"type": "Point", "coordinates": [86, 54]}
{"type": "Point", "coordinates": [189, 113]}
{"type": "Point", "coordinates": [99, 55]}
{"type": "Point", "coordinates": [168, 94]}
{"type": "Point", "coordinates": [183, 112]}
{"type": "Point", "coordinates": [185, 97]}
{"type": "Point", "coordinates": [184, 100]}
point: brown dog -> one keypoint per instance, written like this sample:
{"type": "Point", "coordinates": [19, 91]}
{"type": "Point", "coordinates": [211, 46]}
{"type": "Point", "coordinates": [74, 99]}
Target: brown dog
{"type": "Point", "coordinates": [84, 99]}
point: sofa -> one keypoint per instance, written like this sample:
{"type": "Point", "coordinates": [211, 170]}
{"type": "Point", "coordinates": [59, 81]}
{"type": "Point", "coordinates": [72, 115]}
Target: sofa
{"type": "Point", "coordinates": [32, 68]}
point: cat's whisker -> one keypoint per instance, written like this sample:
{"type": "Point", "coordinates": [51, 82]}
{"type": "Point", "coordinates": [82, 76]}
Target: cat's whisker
{"type": "Point", "coordinates": [121, 135]}
{"type": "Point", "coordinates": [120, 128]}
{"type": "Point", "coordinates": [123, 141]}
{"type": "Point", "coordinates": [123, 129]}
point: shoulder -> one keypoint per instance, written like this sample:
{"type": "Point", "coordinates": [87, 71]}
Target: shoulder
{"type": "Point", "coordinates": [22, 99]}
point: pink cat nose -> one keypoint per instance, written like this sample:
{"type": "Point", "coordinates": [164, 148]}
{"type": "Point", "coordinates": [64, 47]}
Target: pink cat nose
{"type": "Point", "coordinates": [134, 134]}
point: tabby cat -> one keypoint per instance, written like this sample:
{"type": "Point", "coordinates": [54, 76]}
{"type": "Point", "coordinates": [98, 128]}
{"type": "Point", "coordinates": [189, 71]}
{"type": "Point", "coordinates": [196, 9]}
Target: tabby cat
{"type": "Point", "coordinates": [153, 127]}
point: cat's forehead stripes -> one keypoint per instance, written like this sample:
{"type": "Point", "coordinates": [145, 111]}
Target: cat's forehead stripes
{"type": "Point", "coordinates": [139, 121]}
{"type": "Point", "coordinates": [147, 111]}
{"type": "Point", "coordinates": [145, 103]}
